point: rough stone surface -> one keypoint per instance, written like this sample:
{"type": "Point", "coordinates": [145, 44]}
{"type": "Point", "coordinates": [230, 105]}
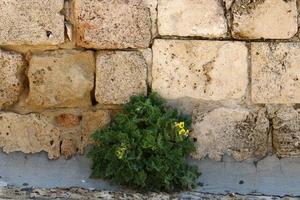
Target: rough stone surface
{"type": "Point", "coordinates": [275, 72]}
{"type": "Point", "coordinates": [112, 24]}
{"type": "Point", "coordinates": [119, 75]}
{"type": "Point", "coordinates": [91, 121]}
{"type": "Point", "coordinates": [269, 19]}
{"type": "Point", "coordinates": [286, 132]}
{"type": "Point", "coordinates": [76, 127]}
{"type": "Point", "coordinates": [11, 67]}
{"type": "Point", "coordinates": [209, 70]}
{"type": "Point", "coordinates": [30, 133]}
{"type": "Point", "coordinates": [31, 22]}
{"type": "Point", "coordinates": [204, 18]}
{"type": "Point", "coordinates": [237, 132]}
{"type": "Point", "coordinates": [60, 79]}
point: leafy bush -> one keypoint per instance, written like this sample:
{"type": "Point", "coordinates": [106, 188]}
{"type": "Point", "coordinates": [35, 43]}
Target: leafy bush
{"type": "Point", "coordinates": [145, 147]}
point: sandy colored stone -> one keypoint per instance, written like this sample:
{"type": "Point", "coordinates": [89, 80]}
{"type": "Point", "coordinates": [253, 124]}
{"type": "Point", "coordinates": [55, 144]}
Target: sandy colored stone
{"type": "Point", "coordinates": [269, 19]}
{"type": "Point", "coordinates": [152, 5]}
{"type": "Point", "coordinates": [62, 78]}
{"type": "Point", "coordinates": [120, 75]}
{"type": "Point", "coordinates": [112, 24]}
{"type": "Point", "coordinates": [11, 67]}
{"type": "Point", "coordinates": [68, 148]}
{"type": "Point", "coordinates": [204, 18]}
{"type": "Point", "coordinates": [31, 22]}
{"type": "Point", "coordinates": [30, 133]}
{"type": "Point", "coordinates": [237, 132]}
{"type": "Point", "coordinates": [76, 127]}
{"type": "Point", "coordinates": [286, 132]}
{"type": "Point", "coordinates": [275, 72]}
{"type": "Point", "coordinates": [228, 3]}
{"type": "Point", "coordinates": [92, 120]}
{"type": "Point", "coordinates": [208, 70]}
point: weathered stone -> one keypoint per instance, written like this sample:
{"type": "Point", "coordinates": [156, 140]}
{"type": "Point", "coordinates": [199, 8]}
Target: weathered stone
{"type": "Point", "coordinates": [152, 5]}
{"type": "Point", "coordinates": [68, 148]}
{"type": "Point", "coordinates": [92, 120]}
{"type": "Point", "coordinates": [208, 70]}
{"type": "Point", "coordinates": [228, 3]}
{"type": "Point", "coordinates": [119, 75]}
{"type": "Point", "coordinates": [269, 19]}
{"type": "Point", "coordinates": [60, 79]}
{"type": "Point", "coordinates": [30, 133]}
{"type": "Point", "coordinates": [204, 18]}
{"type": "Point", "coordinates": [11, 67]}
{"type": "Point", "coordinates": [237, 132]}
{"type": "Point", "coordinates": [31, 22]}
{"type": "Point", "coordinates": [286, 132]}
{"type": "Point", "coordinates": [275, 72]}
{"type": "Point", "coordinates": [76, 127]}
{"type": "Point", "coordinates": [112, 24]}
{"type": "Point", "coordinates": [67, 120]}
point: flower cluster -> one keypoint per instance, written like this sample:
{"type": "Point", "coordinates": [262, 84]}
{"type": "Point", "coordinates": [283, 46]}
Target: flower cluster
{"type": "Point", "coordinates": [181, 129]}
{"type": "Point", "coordinates": [121, 150]}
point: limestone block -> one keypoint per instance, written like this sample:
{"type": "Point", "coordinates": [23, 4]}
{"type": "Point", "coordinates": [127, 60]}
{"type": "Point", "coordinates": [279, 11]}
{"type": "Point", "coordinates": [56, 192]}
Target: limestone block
{"type": "Point", "coordinates": [31, 22]}
{"type": "Point", "coordinates": [30, 133]}
{"type": "Point", "coordinates": [208, 70]}
{"type": "Point", "coordinates": [119, 75]}
{"type": "Point", "coordinates": [11, 67]}
{"type": "Point", "coordinates": [269, 19]}
{"type": "Point", "coordinates": [60, 78]}
{"type": "Point", "coordinates": [275, 72]}
{"type": "Point", "coordinates": [286, 132]}
{"type": "Point", "coordinates": [237, 132]}
{"type": "Point", "coordinates": [112, 24]}
{"type": "Point", "coordinates": [76, 127]}
{"type": "Point", "coordinates": [204, 18]}
{"type": "Point", "coordinates": [91, 121]}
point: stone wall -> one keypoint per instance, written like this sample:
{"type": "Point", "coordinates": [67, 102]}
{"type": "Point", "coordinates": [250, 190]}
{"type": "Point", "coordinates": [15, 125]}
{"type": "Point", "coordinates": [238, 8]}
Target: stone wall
{"type": "Point", "coordinates": [66, 66]}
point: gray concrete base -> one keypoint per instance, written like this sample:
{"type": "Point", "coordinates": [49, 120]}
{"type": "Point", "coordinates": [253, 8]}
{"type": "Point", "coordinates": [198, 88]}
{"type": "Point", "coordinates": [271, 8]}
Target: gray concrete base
{"type": "Point", "coordinates": [269, 176]}
{"type": "Point", "coordinates": [37, 170]}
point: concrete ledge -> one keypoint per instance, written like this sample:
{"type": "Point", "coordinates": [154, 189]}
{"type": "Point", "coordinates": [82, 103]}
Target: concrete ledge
{"type": "Point", "coordinates": [269, 176]}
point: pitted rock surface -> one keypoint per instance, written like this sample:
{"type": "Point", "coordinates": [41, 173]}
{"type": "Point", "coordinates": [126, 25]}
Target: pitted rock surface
{"type": "Point", "coordinates": [268, 19]}
{"type": "Point", "coordinates": [31, 22]}
{"type": "Point", "coordinates": [237, 132]}
{"type": "Point", "coordinates": [11, 67]}
{"type": "Point", "coordinates": [120, 75]}
{"type": "Point", "coordinates": [204, 18]}
{"type": "Point", "coordinates": [200, 69]}
{"type": "Point", "coordinates": [112, 24]}
{"type": "Point", "coordinates": [62, 78]}
{"type": "Point", "coordinates": [275, 73]}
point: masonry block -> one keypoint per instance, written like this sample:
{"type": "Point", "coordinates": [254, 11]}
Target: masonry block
{"type": "Point", "coordinates": [275, 72]}
{"type": "Point", "coordinates": [28, 133]}
{"type": "Point", "coordinates": [204, 18]}
{"type": "Point", "coordinates": [286, 132]}
{"type": "Point", "coordinates": [11, 67]}
{"type": "Point", "coordinates": [208, 70]}
{"type": "Point", "coordinates": [268, 19]}
{"type": "Point", "coordinates": [112, 24]}
{"type": "Point", "coordinates": [31, 22]}
{"type": "Point", "coordinates": [63, 78]}
{"type": "Point", "coordinates": [238, 132]}
{"type": "Point", "coordinates": [119, 75]}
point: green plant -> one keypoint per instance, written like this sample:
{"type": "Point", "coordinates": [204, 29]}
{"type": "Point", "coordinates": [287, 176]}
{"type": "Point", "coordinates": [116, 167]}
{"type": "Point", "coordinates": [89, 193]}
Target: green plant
{"type": "Point", "coordinates": [145, 147]}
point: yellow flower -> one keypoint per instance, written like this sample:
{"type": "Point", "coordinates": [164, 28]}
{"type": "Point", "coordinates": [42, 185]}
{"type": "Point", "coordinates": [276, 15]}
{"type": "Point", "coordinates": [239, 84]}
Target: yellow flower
{"type": "Point", "coordinates": [182, 132]}
{"type": "Point", "coordinates": [121, 150]}
{"type": "Point", "coordinates": [179, 125]}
